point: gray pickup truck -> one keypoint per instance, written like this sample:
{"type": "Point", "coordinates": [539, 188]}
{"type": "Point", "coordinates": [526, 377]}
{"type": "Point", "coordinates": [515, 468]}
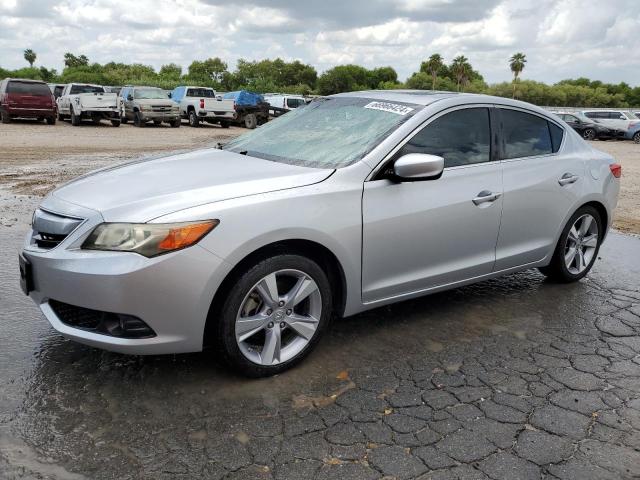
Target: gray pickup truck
{"type": "Point", "coordinates": [148, 104]}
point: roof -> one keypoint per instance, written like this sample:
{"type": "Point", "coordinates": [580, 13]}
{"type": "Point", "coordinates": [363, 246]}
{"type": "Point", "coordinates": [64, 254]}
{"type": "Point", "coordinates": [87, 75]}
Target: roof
{"type": "Point", "coordinates": [419, 97]}
{"type": "Point", "coordinates": [24, 80]}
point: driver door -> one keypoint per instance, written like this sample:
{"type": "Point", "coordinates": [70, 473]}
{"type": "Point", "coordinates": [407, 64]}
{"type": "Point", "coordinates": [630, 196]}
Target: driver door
{"type": "Point", "coordinates": [420, 235]}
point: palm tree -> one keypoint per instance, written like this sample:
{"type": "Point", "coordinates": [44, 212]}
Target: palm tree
{"type": "Point", "coordinates": [30, 56]}
{"type": "Point", "coordinates": [433, 66]}
{"type": "Point", "coordinates": [461, 69]}
{"type": "Point", "coordinates": [516, 62]}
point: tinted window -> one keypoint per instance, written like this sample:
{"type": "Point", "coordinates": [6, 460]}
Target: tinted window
{"type": "Point", "coordinates": [75, 89]}
{"type": "Point", "coordinates": [596, 115]}
{"type": "Point", "coordinates": [294, 102]}
{"type": "Point", "coordinates": [200, 92]}
{"type": "Point", "coordinates": [525, 135]}
{"type": "Point", "coordinates": [57, 90]}
{"type": "Point", "coordinates": [461, 138]}
{"type": "Point", "coordinates": [556, 135]}
{"type": "Point", "coordinates": [29, 88]}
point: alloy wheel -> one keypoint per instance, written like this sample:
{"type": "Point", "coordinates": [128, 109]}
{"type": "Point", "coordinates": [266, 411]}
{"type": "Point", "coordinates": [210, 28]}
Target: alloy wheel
{"type": "Point", "coordinates": [636, 137]}
{"type": "Point", "coordinates": [278, 317]}
{"type": "Point", "coordinates": [589, 134]}
{"type": "Point", "coordinates": [581, 245]}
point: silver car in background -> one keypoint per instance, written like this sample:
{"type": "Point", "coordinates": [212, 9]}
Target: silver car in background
{"type": "Point", "coordinates": [354, 201]}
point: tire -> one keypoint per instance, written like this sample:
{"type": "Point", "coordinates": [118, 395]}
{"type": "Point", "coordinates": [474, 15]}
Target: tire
{"type": "Point", "coordinates": [4, 117]}
{"type": "Point", "coordinates": [251, 121]}
{"type": "Point", "coordinates": [137, 120]}
{"type": "Point", "coordinates": [636, 137]}
{"type": "Point", "coordinates": [115, 123]}
{"type": "Point", "coordinates": [194, 121]}
{"type": "Point", "coordinates": [563, 270]}
{"type": "Point", "coordinates": [176, 123]}
{"type": "Point", "coordinates": [224, 123]}
{"type": "Point", "coordinates": [274, 319]}
{"type": "Point", "coordinates": [75, 119]}
{"type": "Point", "coordinates": [51, 120]}
{"type": "Point", "coordinates": [589, 134]}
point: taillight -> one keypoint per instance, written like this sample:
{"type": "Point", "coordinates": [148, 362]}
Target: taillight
{"type": "Point", "coordinates": [616, 169]}
{"type": "Point", "coordinates": [202, 103]}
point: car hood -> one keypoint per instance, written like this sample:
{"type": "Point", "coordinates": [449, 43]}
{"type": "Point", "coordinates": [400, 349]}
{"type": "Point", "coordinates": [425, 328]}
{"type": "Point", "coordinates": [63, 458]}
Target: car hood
{"type": "Point", "coordinates": [155, 101]}
{"type": "Point", "coordinates": [146, 189]}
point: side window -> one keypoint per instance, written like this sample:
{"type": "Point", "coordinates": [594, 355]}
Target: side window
{"type": "Point", "coordinates": [525, 135]}
{"type": "Point", "coordinates": [461, 137]}
{"type": "Point", "coordinates": [556, 135]}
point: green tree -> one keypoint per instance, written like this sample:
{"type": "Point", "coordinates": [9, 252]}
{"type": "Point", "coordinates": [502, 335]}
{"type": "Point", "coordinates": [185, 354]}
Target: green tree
{"type": "Point", "coordinates": [433, 66]}
{"type": "Point", "coordinates": [210, 71]}
{"type": "Point", "coordinates": [343, 78]}
{"type": "Point", "coordinates": [171, 70]}
{"type": "Point", "coordinates": [382, 75]}
{"type": "Point", "coordinates": [30, 56]}
{"type": "Point", "coordinates": [516, 63]}
{"type": "Point", "coordinates": [461, 70]}
{"type": "Point", "coordinates": [70, 60]}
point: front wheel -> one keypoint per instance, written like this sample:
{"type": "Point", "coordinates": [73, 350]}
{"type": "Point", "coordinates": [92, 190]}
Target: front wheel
{"type": "Point", "coordinates": [636, 137]}
{"type": "Point", "coordinates": [176, 123]}
{"type": "Point", "coordinates": [251, 121]}
{"type": "Point", "coordinates": [75, 119]}
{"type": "Point", "coordinates": [589, 134]}
{"type": "Point", "coordinates": [577, 248]}
{"type": "Point", "coordinates": [274, 315]}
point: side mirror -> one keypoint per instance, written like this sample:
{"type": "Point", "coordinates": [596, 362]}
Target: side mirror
{"type": "Point", "coordinates": [130, 97]}
{"type": "Point", "coordinates": [169, 94]}
{"type": "Point", "coordinates": [418, 166]}
{"type": "Point", "coordinates": [219, 98]}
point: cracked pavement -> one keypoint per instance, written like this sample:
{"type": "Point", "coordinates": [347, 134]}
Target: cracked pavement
{"type": "Point", "coordinates": [514, 378]}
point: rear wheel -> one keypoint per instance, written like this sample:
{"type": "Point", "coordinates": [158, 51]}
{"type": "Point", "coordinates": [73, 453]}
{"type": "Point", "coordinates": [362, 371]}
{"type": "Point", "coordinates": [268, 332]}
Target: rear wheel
{"type": "Point", "coordinates": [4, 117]}
{"type": "Point", "coordinates": [274, 315]}
{"type": "Point", "coordinates": [51, 120]}
{"type": "Point", "coordinates": [194, 121]}
{"type": "Point", "coordinates": [636, 137]}
{"type": "Point", "coordinates": [75, 119]}
{"type": "Point", "coordinates": [577, 248]}
{"type": "Point", "coordinates": [250, 121]}
{"type": "Point", "coordinates": [137, 120]}
{"type": "Point", "coordinates": [589, 134]}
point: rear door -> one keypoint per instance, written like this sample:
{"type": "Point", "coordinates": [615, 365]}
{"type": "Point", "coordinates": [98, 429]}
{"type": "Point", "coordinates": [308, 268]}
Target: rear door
{"type": "Point", "coordinates": [424, 234]}
{"type": "Point", "coordinates": [541, 185]}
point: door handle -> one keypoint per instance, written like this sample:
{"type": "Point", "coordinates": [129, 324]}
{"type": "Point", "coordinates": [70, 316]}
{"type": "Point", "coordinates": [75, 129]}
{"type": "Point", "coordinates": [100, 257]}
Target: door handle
{"type": "Point", "coordinates": [486, 196]}
{"type": "Point", "coordinates": [568, 178]}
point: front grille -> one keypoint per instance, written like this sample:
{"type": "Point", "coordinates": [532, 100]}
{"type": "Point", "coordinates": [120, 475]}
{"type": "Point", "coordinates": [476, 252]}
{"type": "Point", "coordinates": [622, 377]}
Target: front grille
{"type": "Point", "coordinates": [160, 108]}
{"type": "Point", "coordinates": [105, 323]}
{"type": "Point", "coordinates": [49, 229]}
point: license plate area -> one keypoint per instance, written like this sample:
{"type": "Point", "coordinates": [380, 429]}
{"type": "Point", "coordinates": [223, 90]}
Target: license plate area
{"type": "Point", "coordinates": [26, 275]}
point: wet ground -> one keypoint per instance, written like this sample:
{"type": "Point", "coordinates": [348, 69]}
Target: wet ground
{"type": "Point", "coordinates": [508, 379]}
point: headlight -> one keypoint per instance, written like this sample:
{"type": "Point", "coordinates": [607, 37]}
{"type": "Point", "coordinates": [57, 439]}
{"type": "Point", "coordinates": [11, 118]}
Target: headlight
{"type": "Point", "coordinates": [148, 239]}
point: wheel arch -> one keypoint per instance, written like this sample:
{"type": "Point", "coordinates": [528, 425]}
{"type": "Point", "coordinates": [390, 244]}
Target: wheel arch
{"type": "Point", "coordinates": [317, 252]}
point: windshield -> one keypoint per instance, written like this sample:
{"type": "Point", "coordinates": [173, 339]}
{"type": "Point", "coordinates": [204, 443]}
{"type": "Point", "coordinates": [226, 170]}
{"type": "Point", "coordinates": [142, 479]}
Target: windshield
{"type": "Point", "coordinates": [327, 133]}
{"type": "Point", "coordinates": [201, 92]}
{"type": "Point", "coordinates": [75, 89]}
{"type": "Point", "coordinates": [149, 93]}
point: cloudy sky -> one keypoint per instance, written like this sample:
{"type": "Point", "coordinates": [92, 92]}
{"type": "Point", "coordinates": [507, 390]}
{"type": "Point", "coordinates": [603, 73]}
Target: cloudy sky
{"type": "Point", "coordinates": [561, 38]}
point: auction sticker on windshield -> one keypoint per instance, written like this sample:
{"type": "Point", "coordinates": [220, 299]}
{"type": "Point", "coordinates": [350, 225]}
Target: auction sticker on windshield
{"type": "Point", "coordinates": [389, 107]}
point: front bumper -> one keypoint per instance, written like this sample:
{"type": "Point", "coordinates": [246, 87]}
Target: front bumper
{"type": "Point", "coordinates": [171, 293]}
{"type": "Point", "coordinates": [161, 116]}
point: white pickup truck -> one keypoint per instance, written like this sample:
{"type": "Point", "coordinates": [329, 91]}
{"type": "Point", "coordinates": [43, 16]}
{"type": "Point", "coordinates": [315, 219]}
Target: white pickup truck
{"type": "Point", "coordinates": [80, 101]}
{"type": "Point", "coordinates": [202, 104]}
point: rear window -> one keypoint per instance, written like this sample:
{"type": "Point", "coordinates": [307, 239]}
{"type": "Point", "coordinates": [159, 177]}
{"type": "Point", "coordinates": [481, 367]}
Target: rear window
{"type": "Point", "coordinates": [200, 92]}
{"type": "Point", "coordinates": [75, 89]}
{"type": "Point", "coordinates": [526, 135]}
{"type": "Point", "coordinates": [294, 102]}
{"type": "Point", "coordinates": [29, 88]}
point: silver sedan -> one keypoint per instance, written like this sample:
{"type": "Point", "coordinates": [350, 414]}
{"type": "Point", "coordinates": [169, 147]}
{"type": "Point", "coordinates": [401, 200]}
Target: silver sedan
{"type": "Point", "coordinates": [352, 202]}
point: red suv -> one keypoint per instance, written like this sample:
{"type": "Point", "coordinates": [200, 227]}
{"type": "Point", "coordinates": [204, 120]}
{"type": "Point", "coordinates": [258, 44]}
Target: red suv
{"type": "Point", "coordinates": [26, 99]}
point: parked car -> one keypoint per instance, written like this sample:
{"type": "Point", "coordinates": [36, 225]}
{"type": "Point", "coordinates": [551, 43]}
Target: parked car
{"type": "Point", "coordinates": [148, 104]}
{"type": "Point", "coordinates": [22, 98]}
{"type": "Point", "coordinates": [356, 201]}
{"type": "Point", "coordinates": [633, 133]}
{"type": "Point", "coordinates": [84, 101]}
{"type": "Point", "coordinates": [56, 89]}
{"type": "Point", "coordinates": [283, 103]}
{"type": "Point", "coordinates": [618, 119]}
{"type": "Point", "coordinates": [251, 109]}
{"type": "Point", "coordinates": [203, 104]}
{"type": "Point", "coordinates": [588, 128]}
